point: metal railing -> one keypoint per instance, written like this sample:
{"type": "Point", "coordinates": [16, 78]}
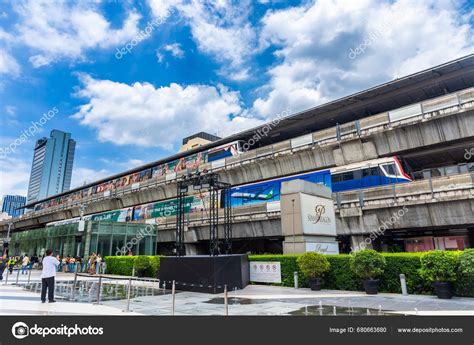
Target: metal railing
{"type": "Point", "coordinates": [361, 198]}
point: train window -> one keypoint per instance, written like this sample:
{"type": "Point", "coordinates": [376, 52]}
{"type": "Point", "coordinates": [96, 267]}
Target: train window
{"type": "Point", "coordinates": [390, 169]}
{"type": "Point", "coordinates": [471, 167]}
{"type": "Point", "coordinates": [347, 176]}
{"type": "Point", "coordinates": [357, 175]}
{"type": "Point", "coordinates": [336, 178]}
{"type": "Point", "coordinates": [370, 172]}
{"type": "Point", "coordinates": [452, 170]}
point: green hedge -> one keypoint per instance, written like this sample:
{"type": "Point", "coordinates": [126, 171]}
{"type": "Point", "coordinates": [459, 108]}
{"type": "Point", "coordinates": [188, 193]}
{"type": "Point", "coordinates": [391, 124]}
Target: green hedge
{"type": "Point", "coordinates": [339, 277]}
{"type": "Point", "coordinates": [123, 265]}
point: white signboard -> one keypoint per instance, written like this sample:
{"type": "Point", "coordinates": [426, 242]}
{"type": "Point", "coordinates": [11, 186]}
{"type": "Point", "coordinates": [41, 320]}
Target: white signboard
{"type": "Point", "coordinates": [318, 216]}
{"type": "Point", "coordinates": [323, 247]}
{"type": "Point", "coordinates": [265, 271]}
{"type": "Point", "coordinates": [82, 225]}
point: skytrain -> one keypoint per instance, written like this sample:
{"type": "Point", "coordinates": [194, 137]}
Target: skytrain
{"type": "Point", "coordinates": [377, 172]}
{"type": "Point", "coordinates": [368, 174]}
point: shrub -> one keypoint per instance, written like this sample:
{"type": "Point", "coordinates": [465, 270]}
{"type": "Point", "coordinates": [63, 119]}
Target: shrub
{"type": "Point", "coordinates": [367, 264]}
{"type": "Point", "coordinates": [407, 263]}
{"type": "Point", "coordinates": [466, 264]}
{"type": "Point", "coordinates": [120, 265]}
{"type": "Point", "coordinates": [313, 265]}
{"type": "Point", "coordinates": [465, 276]}
{"type": "Point", "coordinates": [438, 265]}
{"type": "Point", "coordinates": [142, 263]}
{"type": "Point", "coordinates": [340, 276]}
{"type": "Point", "coordinates": [123, 265]}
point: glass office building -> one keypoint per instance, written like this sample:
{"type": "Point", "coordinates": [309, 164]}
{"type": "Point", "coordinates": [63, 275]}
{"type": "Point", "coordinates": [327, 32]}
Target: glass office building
{"type": "Point", "coordinates": [51, 169]}
{"type": "Point", "coordinates": [12, 203]}
{"type": "Point", "coordinates": [102, 237]}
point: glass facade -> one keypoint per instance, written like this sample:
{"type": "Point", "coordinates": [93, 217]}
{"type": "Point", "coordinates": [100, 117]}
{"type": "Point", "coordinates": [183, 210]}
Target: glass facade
{"type": "Point", "coordinates": [52, 166]}
{"type": "Point", "coordinates": [102, 237]}
{"type": "Point", "coordinates": [11, 203]}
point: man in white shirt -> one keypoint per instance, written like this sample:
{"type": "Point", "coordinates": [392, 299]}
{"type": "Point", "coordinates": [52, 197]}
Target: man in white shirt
{"type": "Point", "coordinates": [50, 266]}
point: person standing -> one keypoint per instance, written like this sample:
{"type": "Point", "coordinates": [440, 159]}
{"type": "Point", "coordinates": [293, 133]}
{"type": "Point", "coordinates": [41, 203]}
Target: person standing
{"type": "Point", "coordinates": [3, 265]}
{"type": "Point", "coordinates": [48, 274]}
{"type": "Point", "coordinates": [92, 259]}
{"type": "Point", "coordinates": [98, 264]}
{"type": "Point", "coordinates": [72, 262]}
{"type": "Point", "coordinates": [24, 264]}
{"type": "Point", "coordinates": [11, 264]}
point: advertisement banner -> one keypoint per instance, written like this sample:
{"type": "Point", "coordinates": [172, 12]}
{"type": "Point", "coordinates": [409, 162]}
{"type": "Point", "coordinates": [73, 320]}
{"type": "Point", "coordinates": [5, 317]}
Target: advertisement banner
{"type": "Point", "coordinates": [122, 215]}
{"type": "Point", "coordinates": [265, 271]}
{"type": "Point", "coordinates": [269, 191]}
{"type": "Point", "coordinates": [168, 208]}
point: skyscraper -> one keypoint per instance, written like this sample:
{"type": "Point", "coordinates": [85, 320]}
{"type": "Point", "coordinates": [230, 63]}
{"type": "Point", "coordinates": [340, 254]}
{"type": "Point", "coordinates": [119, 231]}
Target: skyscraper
{"type": "Point", "coordinates": [51, 169]}
{"type": "Point", "coordinates": [11, 203]}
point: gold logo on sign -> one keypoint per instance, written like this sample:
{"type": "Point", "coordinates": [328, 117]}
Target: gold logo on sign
{"type": "Point", "coordinates": [318, 216]}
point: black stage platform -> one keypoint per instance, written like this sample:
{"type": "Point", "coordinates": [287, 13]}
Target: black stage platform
{"type": "Point", "coordinates": [204, 273]}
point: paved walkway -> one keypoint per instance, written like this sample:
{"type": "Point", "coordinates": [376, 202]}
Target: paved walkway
{"type": "Point", "coordinates": [253, 300]}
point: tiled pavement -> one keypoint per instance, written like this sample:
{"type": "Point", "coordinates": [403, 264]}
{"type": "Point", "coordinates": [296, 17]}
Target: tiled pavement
{"type": "Point", "coordinates": [253, 300]}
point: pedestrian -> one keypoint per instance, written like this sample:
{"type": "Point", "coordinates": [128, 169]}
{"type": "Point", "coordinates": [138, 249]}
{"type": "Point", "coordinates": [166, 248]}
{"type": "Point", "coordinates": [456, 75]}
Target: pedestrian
{"type": "Point", "coordinates": [25, 263]}
{"type": "Point", "coordinates": [64, 264]}
{"type": "Point", "coordinates": [72, 262]}
{"type": "Point", "coordinates": [92, 265]}
{"type": "Point", "coordinates": [33, 261]}
{"type": "Point", "coordinates": [67, 263]}
{"type": "Point", "coordinates": [3, 265]}
{"type": "Point", "coordinates": [98, 264]}
{"type": "Point", "coordinates": [79, 263]}
{"type": "Point", "coordinates": [48, 274]}
{"type": "Point", "coordinates": [11, 264]}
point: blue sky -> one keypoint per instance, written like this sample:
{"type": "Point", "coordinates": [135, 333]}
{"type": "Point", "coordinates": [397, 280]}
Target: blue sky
{"type": "Point", "coordinates": [218, 66]}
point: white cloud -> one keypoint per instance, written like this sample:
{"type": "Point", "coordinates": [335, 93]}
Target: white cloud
{"type": "Point", "coordinates": [83, 175]}
{"type": "Point", "coordinates": [314, 41]}
{"type": "Point", "coordinates": [174, 49]}
{"type": "Point", "coordinates": [63, 29]}
{"type": "Point", "coordinates": [10, 110]}
{"type": "Point", "coordinates": [8, 64]}
{"type": "Point", "coordinates": [220, 29]}
{"type": "Point", "coordinates": [140, 114]}
{"type": "Point", "coordinates": [14, 180]}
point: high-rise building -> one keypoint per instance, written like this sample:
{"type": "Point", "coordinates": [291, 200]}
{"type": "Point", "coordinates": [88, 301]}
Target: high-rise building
{"type": "Point", "coordinates": [51, 169]}
{"type": "Point", "coordinates": [11, 203]}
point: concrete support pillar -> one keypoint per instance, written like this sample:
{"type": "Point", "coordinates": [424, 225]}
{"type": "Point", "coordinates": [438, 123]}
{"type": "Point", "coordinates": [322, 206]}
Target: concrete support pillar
{"type": "Point", "coordinates": [359, 242]}
{"type": "Point", "coordinates": [307, 218]}
{"type": "Point", "coordinates": [191, 249]}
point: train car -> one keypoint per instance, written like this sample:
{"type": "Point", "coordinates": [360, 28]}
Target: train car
{"type": "Point", "coordinates": [232, 149]}
{"type": "Point", "coordinates": [368, 174]}
{"type": "Point", "coordinates": [377, 172]}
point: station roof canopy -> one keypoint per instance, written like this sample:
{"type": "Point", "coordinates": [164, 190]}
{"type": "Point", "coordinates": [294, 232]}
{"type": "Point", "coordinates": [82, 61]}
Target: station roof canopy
{"type": "Point", "coordinates": [433, 82]}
